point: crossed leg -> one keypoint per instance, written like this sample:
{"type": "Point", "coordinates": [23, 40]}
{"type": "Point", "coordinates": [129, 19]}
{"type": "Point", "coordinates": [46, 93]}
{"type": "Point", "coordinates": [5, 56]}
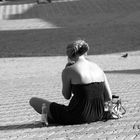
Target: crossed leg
{"type": "Point", "coordinates": [37, 103]}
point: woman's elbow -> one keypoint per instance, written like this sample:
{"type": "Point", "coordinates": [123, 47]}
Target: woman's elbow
{"type": "Point", "coordinates": [66, 96]}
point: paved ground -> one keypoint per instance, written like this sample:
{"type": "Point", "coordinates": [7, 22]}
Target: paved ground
{"type": "Point", "coordinates": [25, 77]}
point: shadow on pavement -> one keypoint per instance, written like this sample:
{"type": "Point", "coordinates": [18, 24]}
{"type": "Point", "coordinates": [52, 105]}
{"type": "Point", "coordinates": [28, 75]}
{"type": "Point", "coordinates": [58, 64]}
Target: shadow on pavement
{"type": "Point", "coordinates": [21, 126]}
{"type": "Point", "coordinates": [135, 71]}
{"type": "Point", "coordinates": [53, 42]}
{"type": "Point", "coordinates": [17, 2]}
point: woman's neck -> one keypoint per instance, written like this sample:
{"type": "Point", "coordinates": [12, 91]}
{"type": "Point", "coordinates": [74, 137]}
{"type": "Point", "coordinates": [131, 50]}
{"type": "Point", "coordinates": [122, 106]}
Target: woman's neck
{"type": "Point", "coordinates": [82, 57]}
{"type": "Point", "coordinates": [78, 58]}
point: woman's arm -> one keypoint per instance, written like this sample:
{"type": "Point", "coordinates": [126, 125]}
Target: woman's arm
{"type": "Point", "coordinates": [109, 93]}
{"type": "Point", "coordinates": [66, 84]}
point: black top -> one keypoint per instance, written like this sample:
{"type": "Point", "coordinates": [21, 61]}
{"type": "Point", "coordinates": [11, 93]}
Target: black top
{"type": "Point", "coordinates": [86, 105]}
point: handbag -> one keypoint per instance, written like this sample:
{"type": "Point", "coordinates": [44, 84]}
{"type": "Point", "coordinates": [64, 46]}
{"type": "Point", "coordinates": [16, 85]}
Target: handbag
{"type": "Point", "coordinates": [114, 108]}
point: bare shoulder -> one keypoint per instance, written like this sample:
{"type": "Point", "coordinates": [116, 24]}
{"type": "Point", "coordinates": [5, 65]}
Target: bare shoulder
{"type": "Point", "coordinates": [96, 69]}
{"type": "Point", "coordinates": [67, 70]}
{"type": "Point", "coordinates": [70, 72]}
{"type": "Point", "coordinates": [95, 65]}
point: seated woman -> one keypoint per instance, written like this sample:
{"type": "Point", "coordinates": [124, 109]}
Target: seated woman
{"type": "Point", "coordinates": [84, 84]}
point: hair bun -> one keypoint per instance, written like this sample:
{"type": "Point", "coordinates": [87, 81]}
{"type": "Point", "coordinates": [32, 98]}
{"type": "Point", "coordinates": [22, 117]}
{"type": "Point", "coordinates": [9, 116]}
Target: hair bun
{"type": "Point", "coordinates": [83, 49]}
{"type": "Point", "coordinates": [78, 47]}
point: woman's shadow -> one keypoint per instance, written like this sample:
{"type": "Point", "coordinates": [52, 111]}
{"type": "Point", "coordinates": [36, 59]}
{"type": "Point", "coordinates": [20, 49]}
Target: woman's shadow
{"type": "Point", "coordinates": [24, 126]}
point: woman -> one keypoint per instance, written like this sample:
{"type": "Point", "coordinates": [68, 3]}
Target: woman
{"type": "Point", "coordinates": [84, 84]}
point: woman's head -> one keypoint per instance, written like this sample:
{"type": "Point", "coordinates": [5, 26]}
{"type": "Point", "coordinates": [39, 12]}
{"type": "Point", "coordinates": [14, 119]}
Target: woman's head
{"type": "Point", "coordinates": [77, 48]}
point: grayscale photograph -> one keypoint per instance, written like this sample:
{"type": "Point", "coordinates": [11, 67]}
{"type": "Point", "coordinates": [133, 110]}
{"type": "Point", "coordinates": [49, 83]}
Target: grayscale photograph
{"type": "Point", "coordinates": [69, 69]}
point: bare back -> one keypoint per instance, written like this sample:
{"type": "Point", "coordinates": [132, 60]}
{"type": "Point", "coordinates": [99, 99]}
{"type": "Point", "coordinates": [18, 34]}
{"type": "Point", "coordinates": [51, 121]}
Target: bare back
{"type": "Point", "coordinates": [84, 71]}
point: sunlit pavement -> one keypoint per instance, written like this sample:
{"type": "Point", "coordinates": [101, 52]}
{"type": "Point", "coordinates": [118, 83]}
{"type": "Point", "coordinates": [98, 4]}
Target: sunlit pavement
{"type": "Point", "coordinates": [25, 77]}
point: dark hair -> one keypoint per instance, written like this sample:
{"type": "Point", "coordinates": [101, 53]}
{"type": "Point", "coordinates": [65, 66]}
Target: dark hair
{"type": "Point", "coordinates": [77, 48]}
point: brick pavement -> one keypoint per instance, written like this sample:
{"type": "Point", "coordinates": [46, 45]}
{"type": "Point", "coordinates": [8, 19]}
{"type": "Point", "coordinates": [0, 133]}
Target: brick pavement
{"type": "Point", "coordinates": [23, 78]}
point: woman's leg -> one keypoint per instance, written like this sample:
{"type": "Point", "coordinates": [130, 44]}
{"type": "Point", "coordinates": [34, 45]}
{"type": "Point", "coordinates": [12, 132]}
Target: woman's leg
{"type": "Point", "coordinates": [37, 103]}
